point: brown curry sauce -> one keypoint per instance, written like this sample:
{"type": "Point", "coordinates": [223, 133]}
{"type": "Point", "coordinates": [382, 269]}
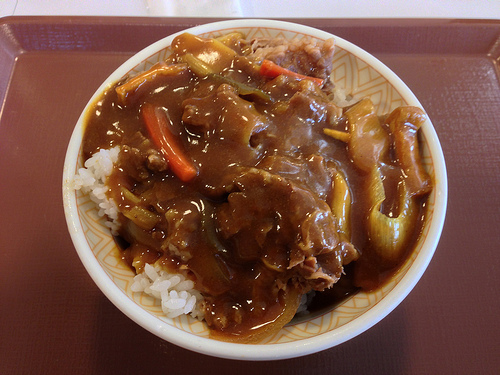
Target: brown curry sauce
{"type": "Point", "coordinates": [250, 226]}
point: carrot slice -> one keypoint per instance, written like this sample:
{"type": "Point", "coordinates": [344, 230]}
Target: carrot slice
{"type": "Point", "coordinates": [133, 84]}
{"type": "Point", "coordinates": [272, 70]}
{"type": "Point", "coordinates": [156, 124]}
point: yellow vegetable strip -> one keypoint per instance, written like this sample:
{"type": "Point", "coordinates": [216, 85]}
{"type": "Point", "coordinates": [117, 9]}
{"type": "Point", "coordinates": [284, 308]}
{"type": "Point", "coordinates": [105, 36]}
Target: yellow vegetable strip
{"type": "Point", "coordinates": [143, 218]}
{"type": "Point", "coordinates": [368, 145]}
{"type": "Point", "coordinates": [337, 134]}
{"type": "Point", "coordinates": [131, 197]}
{"type": "Point", "coordinates": [291, 303]}
{"type": "Point", "coordinates": [404, 123]}
{"type": "Point", "coordinates": [341, 204]}
{"type": "Point", "coordinates": [390, 234]}
{"type": "Point", "coordinates": [212, 52]}
{"type": "Point", "coordinates": [233, 37]}
{"type": "Point", "coordinates": [198, 67]}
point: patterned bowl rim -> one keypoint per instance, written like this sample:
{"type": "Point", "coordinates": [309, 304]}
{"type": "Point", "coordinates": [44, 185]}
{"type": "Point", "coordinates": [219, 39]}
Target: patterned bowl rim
{"type": "Point", "coordinates": [279, 350]}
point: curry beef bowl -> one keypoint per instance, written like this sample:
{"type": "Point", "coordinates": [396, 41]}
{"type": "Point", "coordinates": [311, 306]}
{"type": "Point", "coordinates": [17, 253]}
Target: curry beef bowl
{"type": "Point", "coordinates": [254, 189]}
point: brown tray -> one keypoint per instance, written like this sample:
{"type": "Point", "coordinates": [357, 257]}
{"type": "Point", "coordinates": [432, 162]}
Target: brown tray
{"type": "Point", "coordinates": [53, 318]}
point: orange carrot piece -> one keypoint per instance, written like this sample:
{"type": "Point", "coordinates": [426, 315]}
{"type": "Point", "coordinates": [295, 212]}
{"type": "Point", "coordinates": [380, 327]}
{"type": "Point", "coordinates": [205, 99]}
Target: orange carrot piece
{"type": "Point", "coordinates": [156, 124]}
{"type": "Point", "coordinates": [272, 70]}
{"type": "Point", "coordinates": [134, 83]}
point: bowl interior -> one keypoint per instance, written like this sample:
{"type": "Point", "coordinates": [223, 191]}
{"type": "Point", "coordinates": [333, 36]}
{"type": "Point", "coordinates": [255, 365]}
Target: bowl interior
{"type": "Point", "coordinates": [359, 74]}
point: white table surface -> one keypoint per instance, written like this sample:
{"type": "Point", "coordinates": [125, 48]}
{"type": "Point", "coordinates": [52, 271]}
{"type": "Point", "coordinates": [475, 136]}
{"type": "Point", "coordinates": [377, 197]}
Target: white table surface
{"type": "Point", "coordinates": [472, 9]}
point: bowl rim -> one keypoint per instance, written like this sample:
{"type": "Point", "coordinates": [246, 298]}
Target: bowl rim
{"type": "Point", "coordinates": [260, 351]}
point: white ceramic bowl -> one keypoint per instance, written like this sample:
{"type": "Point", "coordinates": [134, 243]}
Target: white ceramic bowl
{"type": "Point", "coordinates": [358, 72]}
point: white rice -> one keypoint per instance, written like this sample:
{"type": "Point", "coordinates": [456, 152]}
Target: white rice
{"type": "Point", "coordinates": [92, 180]}
{"type": "Point", "coordinates": [305, 300]}
{"type": "Point", "coordinates": [341, 98]}
{"type": "Point", "coordinates": [176, 293]}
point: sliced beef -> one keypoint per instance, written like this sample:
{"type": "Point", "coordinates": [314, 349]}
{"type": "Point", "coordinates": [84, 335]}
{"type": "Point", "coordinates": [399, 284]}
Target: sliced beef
{"type": "Point", "coordinates": [224, 114]}
{"type": "Point", "coordinates": [287, 227]}
{"type": "Point", "coordinates": [225, 123]}
{"type": "Point", "coordinates": [312, 173]}
{"type": "Point", "coordinates": [296, 128]}
{"type": "Point", "coordinates": [306, 56]}
{"type": "Point", "coordinates": [139, 158]}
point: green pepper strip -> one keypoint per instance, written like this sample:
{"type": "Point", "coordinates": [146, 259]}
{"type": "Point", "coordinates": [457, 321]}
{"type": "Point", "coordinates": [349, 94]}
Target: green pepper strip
{"type": "Point", "coordinates": [202, 69]}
